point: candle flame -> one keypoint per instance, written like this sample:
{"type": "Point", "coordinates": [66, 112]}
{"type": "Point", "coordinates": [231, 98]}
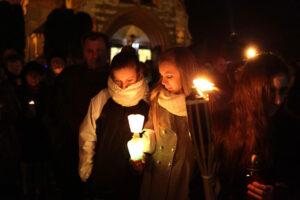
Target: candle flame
{"type": "Point", "coordinates": [202, 86]}
{"type": "Point", "coordinates": [31, 102]}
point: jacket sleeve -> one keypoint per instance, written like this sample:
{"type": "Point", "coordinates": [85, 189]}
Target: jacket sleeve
{"type": "Point", "coordinates": [149, 135]}
{"type": "Point", "coordinates": [88, 137]}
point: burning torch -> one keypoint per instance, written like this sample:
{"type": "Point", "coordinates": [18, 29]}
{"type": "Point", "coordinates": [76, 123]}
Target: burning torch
{"type": "Point", "coordinates": [200, 129]}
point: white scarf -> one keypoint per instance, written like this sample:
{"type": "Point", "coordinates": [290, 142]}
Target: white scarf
{"type": "Point", "coordinates": [174, 103]}
{"type": "Point", "coordinates": [130, 96]}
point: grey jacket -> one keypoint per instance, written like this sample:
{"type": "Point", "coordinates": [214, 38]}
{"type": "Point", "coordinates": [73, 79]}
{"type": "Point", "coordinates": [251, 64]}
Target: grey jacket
{"type": "Point", "coordinates": [169, 169]}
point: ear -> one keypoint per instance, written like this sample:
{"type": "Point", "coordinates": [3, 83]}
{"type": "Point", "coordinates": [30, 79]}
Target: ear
{"type": "Point", "coordinates": [140, 74]}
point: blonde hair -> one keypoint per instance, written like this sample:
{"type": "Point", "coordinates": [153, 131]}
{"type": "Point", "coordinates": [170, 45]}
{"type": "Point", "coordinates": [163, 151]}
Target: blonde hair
{"type": "Point", "coordinates": [187, 65]}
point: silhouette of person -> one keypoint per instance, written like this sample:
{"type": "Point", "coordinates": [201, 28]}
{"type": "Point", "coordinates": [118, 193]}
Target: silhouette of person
{"type": "Point", "coordinates": [70, 98]}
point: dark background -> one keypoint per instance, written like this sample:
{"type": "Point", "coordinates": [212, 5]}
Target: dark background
{"type": "Point", "coordinates": [271, 25]}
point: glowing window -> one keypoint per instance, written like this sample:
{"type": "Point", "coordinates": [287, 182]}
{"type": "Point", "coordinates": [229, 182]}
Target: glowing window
{"type": "Point", "coordinates": [114, 51]}
{"type": "Point", "coordinates": [144, 55]}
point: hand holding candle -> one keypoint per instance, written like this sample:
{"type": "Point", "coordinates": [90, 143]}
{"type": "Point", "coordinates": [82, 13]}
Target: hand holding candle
{"type": "Point", "coordinates": [136, 144]}
{"type": "Point", "coordinates": [31, 111]}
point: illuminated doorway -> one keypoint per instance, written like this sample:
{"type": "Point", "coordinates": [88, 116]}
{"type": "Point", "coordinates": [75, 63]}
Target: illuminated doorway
{"type": "Point", "coordinates": [133, 36]}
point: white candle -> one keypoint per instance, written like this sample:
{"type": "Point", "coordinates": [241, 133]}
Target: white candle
{"type": "Point", "coordinates": [136, 144]}
{"type": "Point", "coordinates": [136, 122]}
{"type": "Point", "coordinates": [136, 148]}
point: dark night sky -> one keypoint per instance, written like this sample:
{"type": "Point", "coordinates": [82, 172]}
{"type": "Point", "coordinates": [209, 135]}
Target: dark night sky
{"type": "Point", "coordinates": [272, 25]}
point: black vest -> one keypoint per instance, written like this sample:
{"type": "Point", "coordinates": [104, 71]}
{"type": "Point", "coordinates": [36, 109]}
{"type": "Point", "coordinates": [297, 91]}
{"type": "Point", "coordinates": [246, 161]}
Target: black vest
{"type": "Point", "coordinates": [112, 177]}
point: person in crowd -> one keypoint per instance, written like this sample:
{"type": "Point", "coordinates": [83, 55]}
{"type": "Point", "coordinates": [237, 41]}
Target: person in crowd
{"type": "Point", "coordinates": [255, 143]}
{"type": "Point", "coordinates": [294, 93]}
{"type": "Point", "coordinates": [33, 137]}
{"type": "Point", "coordinates": [8, 84]}
{"type": "Point", "coordinates": [10, 174]}
{"type": "Point", "coordinates": [6, 53]}
{"type": "Point", "coordinates": [150, 74]}
{"type": "Point", "coordinates": [104, 132]}
{"type": "Point", "coordinates": [41, 60]}
{"type": "Point", "coordinates": [233, 73]}
{"type": "Point", "coordinates": [56, 65]}
{"type": "Point", "coordinates": [220, 70]}
{"type": "Point", "coordinates": [68, 102]}
{"type": "Point", "coordinates": [13, 65]}
{"type": "Point", "coordinates": [170, 165]}
{"type": "Point", "coordinates": [10, 187]}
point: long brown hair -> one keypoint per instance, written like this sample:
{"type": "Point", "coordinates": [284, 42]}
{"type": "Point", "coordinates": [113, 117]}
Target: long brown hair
{"type": "Point", "coordinates": [247, 128]}
{"type": "Point", "coordinates": [187, 65]}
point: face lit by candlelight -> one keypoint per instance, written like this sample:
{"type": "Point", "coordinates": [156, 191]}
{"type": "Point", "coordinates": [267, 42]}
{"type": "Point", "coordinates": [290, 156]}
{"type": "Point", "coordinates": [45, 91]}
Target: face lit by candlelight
{"type": "Point", "coordinates": [33, 79]}
{"type": "Point", "coordinates": [170, 77]}
{"type": "Point", "coordinates": [279, 89]}
{"type": "Point", "coordinates": [125, 76]}
{"type": "Point", "coordinates": [57, 65]}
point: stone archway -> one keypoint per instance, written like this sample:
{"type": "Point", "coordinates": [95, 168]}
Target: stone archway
{"type": "Point", "coordinates": [145, 20]}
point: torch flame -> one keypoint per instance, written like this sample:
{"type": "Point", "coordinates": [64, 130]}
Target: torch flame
{"type": "Point", "coordinates": [202, 86]}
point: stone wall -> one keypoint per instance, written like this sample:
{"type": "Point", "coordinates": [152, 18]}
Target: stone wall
{"type": "Point", "coordinates": [171, 13]}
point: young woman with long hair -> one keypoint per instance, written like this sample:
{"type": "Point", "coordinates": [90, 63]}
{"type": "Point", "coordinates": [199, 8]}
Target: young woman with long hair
{"type": "Point", "coordinates": [169, 169]}
{"type": "Point", "coordinates": [247, 133]}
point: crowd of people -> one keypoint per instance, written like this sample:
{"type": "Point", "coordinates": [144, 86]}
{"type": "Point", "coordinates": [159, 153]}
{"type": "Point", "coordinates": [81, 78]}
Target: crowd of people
{"type": "Point", "coordinates": [64, 129]}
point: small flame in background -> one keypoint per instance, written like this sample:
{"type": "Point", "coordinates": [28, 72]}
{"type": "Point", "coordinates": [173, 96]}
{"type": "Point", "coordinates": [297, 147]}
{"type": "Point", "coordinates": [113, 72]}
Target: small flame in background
{"type": "Point", "coordinates": [203, 86]}
{"type": "Point", "coordinates": [31, 102]}
{"type": "Point", "coordinates": [251, 52]}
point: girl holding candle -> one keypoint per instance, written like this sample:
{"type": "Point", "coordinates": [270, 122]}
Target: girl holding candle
{"type": "Point", "coordinates": [170, 162]}
{"type": "Point", "coordinates": [104, 132]}
{"type": "Point", "coordinates": [251, 147]}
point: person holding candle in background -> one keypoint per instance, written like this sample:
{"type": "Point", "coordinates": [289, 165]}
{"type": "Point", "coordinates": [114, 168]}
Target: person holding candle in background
{"type": "Point", "coordinates": [34, 139]}
{"type": "Point", "coordinates": [104, 132]}
{"type": "Point", "coordinates": [256, 143]}
{"type": "Point", "coordinates": [170, 163]}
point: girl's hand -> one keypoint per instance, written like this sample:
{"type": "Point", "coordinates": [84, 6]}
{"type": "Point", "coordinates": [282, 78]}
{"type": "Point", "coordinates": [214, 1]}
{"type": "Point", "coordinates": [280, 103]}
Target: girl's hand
{"type": "Point", "coordinates": [137, 165]}
{"type": "Point", "coordinates": [260, 191]}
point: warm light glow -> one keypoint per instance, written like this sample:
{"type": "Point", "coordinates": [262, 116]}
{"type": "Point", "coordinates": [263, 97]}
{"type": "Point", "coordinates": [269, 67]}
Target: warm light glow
{"type": "Point", "coordinates": [202, 86]}
{"type": "Point", "coordinates": [251, 52]}
{"type": "Point", "coordinates": [68, 4]}
{"type": "Point", "coordinates": [135, 45]}
{"type": "Point", "coordinates": [136, 148]}
{"type": "Point", "coordinates": [136, 122]}
{"type": "Point", "coordinates": [136, 144]}
{"type": "Point", "coordinates": [114, 51]}
{"type": "Point", "coordinates": [144, 54]}
{"type": "Point", "coordinates": [31, 102]}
